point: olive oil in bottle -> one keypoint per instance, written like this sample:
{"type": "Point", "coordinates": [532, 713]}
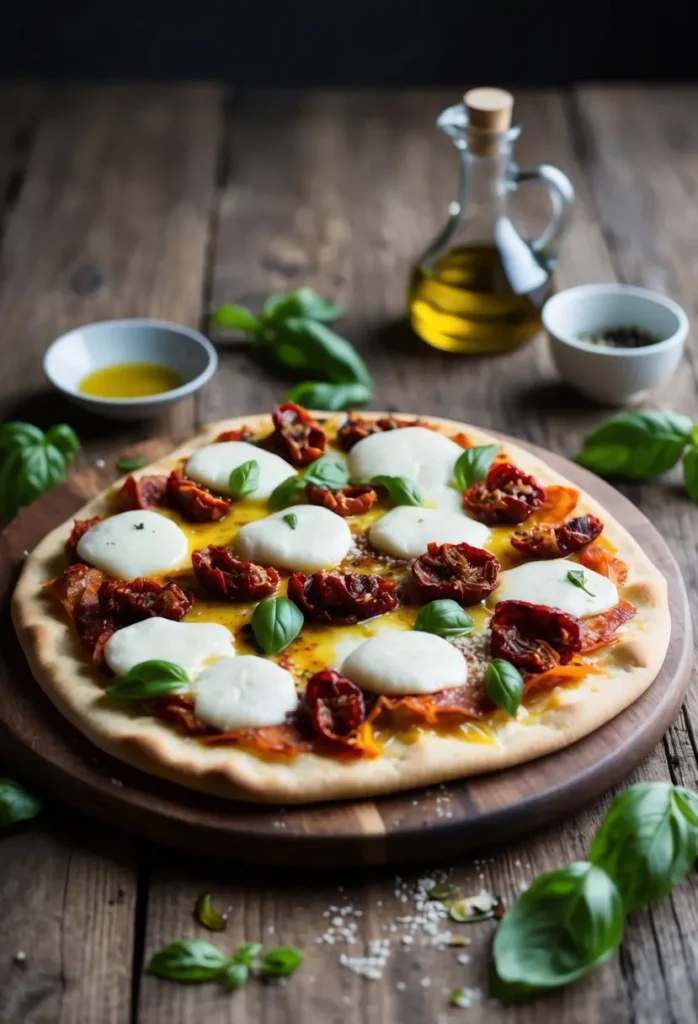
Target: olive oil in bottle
{"type": "Point", "coordinates": [480, 285]}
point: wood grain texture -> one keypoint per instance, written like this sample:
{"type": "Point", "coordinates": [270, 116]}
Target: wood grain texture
{"type": "Point", "coordinates": [341, 191]}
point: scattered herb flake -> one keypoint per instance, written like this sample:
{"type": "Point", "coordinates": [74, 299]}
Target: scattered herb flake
{"type": "Point", "coordinates": [292, 519]}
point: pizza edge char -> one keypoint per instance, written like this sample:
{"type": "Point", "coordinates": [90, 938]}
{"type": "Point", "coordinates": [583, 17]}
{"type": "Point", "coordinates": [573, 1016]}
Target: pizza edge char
{"type": "Point", "coordinates": [407, 756]}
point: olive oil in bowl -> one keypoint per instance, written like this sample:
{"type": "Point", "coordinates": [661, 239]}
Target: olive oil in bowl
{"type": "Point", "coordinates": [130, 380]}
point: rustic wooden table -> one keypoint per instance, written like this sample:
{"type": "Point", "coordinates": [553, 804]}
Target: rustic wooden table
{"type": "Point", "coordinates": [163, 201]}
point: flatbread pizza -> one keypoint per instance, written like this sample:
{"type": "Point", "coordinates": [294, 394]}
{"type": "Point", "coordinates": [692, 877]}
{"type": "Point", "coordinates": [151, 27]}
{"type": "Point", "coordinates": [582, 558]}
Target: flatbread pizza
{"type": "Point", "coordinates": [304, 607]}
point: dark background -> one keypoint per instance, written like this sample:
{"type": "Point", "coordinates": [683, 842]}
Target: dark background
{"type": "Point", "coordinates": [386, 42]}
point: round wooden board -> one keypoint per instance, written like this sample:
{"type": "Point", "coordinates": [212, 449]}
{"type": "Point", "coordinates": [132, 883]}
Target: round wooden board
{"type": "Point", "coordinates": [409, 826]}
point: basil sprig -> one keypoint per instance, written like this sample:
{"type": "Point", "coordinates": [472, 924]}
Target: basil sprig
{"type": "Point", "coordinates": [504, 685]}
{"type": "Point", "coordinates": [31, 462]}
{"type": "Point", "coordinates": [444, 618]}
{"type": "Point", "coordinates": [292, 333]}
{"type": "Point", "coordinates": [648, 841]}
{"type": "Point", "coordinates": [638, 445]}
{"type": "Point", "coordinates": [327, 471]}
{"type": "Point", "coordinates": [244, 479]}
{"type": "Point", "coordinates": [275, 622]}
{"type": "Point", "coordinates": [577, 578]}
{"type": "Point", "coordinates": [193, 961]}
{"type": "Point", "coordinates": [473, 464]}
{"type": "Point", "coordinates": [150, 679]}
{"type": "Point", "coordinates": [16, 804]}
{"type": "Point", "coordinates": [566, 923]}
{"type": "Point", "coordinates": [401, 491]}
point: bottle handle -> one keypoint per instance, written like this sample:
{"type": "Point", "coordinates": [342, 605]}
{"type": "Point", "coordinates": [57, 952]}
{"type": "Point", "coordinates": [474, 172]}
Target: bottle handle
{"type": "Point", "coordinates": [561, 192]}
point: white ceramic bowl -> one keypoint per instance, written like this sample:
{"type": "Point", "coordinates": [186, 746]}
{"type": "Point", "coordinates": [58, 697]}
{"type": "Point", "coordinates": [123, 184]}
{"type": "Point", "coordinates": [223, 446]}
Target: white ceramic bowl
{"type": "Point", "coordinates": [620, 376]}
{"type": "Point", "coordinates": [73, 355]}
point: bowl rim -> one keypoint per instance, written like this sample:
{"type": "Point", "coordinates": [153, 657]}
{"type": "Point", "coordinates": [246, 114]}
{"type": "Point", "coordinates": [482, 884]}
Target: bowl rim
{"type": "Point", "coordinates": [607, 352]}
{"type": "Point", "coordinates": [163, 397]}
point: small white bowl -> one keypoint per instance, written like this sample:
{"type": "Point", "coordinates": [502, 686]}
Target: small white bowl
{"type": "Point", "coordinates": [620, 376]}
{"type": "Point", "coordinates": [72, 356]}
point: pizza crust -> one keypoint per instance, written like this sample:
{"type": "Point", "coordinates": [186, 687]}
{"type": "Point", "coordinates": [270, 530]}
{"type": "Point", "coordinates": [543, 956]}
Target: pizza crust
{"type": "Point", "coordinates": [60, 665]}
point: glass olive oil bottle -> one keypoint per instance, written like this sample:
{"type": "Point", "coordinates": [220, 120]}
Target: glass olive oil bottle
{"type": "Point", "coordinates": [480, 285]}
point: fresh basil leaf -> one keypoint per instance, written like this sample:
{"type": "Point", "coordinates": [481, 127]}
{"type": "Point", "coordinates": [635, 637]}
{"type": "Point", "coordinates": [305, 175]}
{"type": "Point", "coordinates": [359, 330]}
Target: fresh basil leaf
{"type": "Point", "coordinates": [244, 479]}
{"type": "Point", "coordinates": [237, 318]}
{"type": "Point", "coordinates": [279, 963]}
{"type": "Point", "coordinates": [504, 685]}
{"type": "Point", "coordinates": [64, 439]}
{"type": "Point", "coordinates": [207, 915]}
{"type": "Point", "coordinates": [16, 804]}
{"type": "Point", "coordinates": [331, 397]}
{"type": "Point", "coordinates": [473, 464]}
{"type": "Point", "coordinates": [235, 975]}
{"type": "Point", "coordinates": [248, 953]}
{"type": "Point", "coordinates": [636, 444]}
{"type": "Point", "coordinates": [327, 471]}
{"type": "Point", "coordinates": [189, 960]}
{"type": "Point", "coordinates": [401, 491]}
{"type": "Point", "coordinates": [577, 578]}
{"type": "Point", "coordinates": [150, 679]}
{"type": "Point", "coordinates": [288, 492]}
{"type": "Point", "coordinates": [275, 622]}
{"type": "Point", "coordinates": [14, 494]}
{"type": "Point", "coordinates": [444, 618]}
{"type": "Point", "coordinates": [127, 463]}
{"type": "Point", "coordinates": [17, 434]}
{"type": "Point", "coordinates": [298, 343]}
{"type": "Point", "coordinates": [566, 923]}
{"type": "Point", "coordinates": [648, 841]}
{"type": "Point", "coordinates": [291, 520]}
{"type": "Point", "coordinates": [690, 473]}
{"type": "Point", "coordinates": [305, 302]}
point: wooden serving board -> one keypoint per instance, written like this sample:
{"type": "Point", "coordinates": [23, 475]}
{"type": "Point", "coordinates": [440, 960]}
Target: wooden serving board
{"type": "Point", "coordinates": [409, 826]}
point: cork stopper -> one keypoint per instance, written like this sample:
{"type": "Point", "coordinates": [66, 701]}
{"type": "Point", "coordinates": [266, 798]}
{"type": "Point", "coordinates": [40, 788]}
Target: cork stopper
{"type": "Point", "coordinates": [489, 114]}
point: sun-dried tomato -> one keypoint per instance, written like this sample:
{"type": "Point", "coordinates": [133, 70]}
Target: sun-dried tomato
{"type": "Point", "coordinates": [141, 492]}
{"type": "Point", "coordinates": [336, 705]}
{"type": "Point", "coordinates": [558, 541]}
{"type": "Point", "coordinates": [342, 599]}
{"type": "Point", "coordinates": [177, 709]}
{"type": "Point", "coordinates": [601, 630]}
{"type": "Point", "coordinates": [532, 636]}
{"type": "Point", "coordinates": [506, 495]}
{"type": "Point", "coordinates": [345, 501]}
{"type": "Point", "coordinates": [80, 528]}
{"type": "Point", "coordinates": [227, 578]}
{"type": "Point", "coordinates": [603, 561]}
{"type": "Point", "coordinates": [243, 433]}
{"type": "Point", "coordinates": [196, 503]}
{"type": "Point", "coordinates": [458, 571]}
{"type": "Point", "coordinates": [133, 600]}
{"type": "Point", "coordinates": [356, 428]}
{"type": "Point", "coordinates": [297, 434]}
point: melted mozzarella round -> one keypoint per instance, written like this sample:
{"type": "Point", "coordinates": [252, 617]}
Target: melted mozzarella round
{"type": "Point", "coordinates": [403, 663]}
{"type": "Point", "coordinates": [243, 693]}
{"type": "Point", "coordinates": [547, 583]}
{"type": "Point", "coordinates": [423, 456]}
{"type": "Point", "coordinates": [134, 544]}
{"type": "Point", "coordinates": [189, 644]}
{"type": "Point", "coordinates": [213, 464]}
{"type": "Point", "coordinates": [405, 532]}
{"type": "Point", "coordinates": [318, 540]}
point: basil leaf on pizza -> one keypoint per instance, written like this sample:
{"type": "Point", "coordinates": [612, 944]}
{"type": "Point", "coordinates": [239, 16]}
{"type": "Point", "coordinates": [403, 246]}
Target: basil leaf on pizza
{"type": "Point", "coordinates": [504, 685]}
{"type": "Point", "coordinates": [473, 464]}
{"type": "Point", "coordinates": [244, 479]}
{"type": "Point", "coordinates": [150, 679]}
{"type": "Point", "coordinates": [327, 471]}
{"type": "Point", "coordinates": [636, 445]}
{"type": "Point", "coordinates": [275, 623]}
{"type": "Point", "coordinates": [16, 804]}
{"type": "Point", "coordinates": [288, 492]}
{"type": "Point", "coordinates": [566, 923]}
{"type": "Point", "coordinates": [648, 841]}
{"type": "Point", "coordinates": [291, 520]}
{"type": "Point", "coordinates": [445, 618]}
{"type": "Point", "coordinates": [401, 491]}
{"type": "Point", "coordinates": [188, 960]}
{"type": "Point", "coordinates": [577, 578]}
